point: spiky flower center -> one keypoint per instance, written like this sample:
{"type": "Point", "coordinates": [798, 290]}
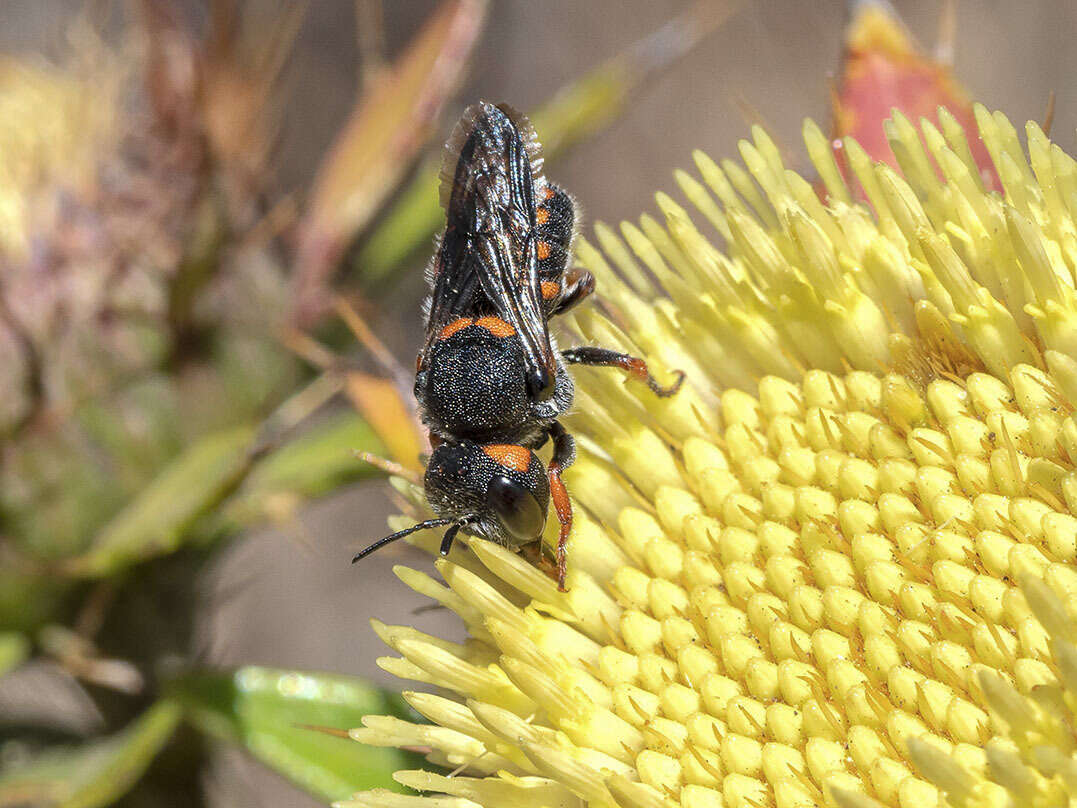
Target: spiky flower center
{"type": "Point", "coordinates": [791, 579]}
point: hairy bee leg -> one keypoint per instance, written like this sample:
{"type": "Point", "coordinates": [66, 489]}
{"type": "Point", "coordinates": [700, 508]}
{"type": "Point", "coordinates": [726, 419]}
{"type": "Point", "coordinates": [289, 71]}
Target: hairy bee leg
{"type": "Point", "coordinates": [579, 284]}
{"type": "Point", "coordinates": [564, 454]}
{"type": "Point", "coordinates": [637, 367]}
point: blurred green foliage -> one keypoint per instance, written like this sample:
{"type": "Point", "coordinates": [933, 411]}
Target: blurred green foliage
{"type": "Point", "coordinates": [159, 405]}
{"type": "Point", "coordinates": [296, 723]}
{"type": "Point", "coordinates": [93, 774]}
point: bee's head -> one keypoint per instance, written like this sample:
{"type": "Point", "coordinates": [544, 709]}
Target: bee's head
{"type": "Point", "coordinates": [496, 491]}
{"type": "Point", "coordinates": [501, 490]}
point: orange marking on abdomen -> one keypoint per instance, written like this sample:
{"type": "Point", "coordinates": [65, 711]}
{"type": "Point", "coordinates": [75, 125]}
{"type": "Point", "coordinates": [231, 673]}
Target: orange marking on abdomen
{"type": "Point", "coordinates": [496, 326]}
{"type": "Point", "coordinates": [542, 248]}
{"type": "Point", "coordinates": [454, 326]}
{"type": "Point", "coordinates": [542, 216]}
{"type": "Point", "coordinates": [549, 192]}
{"type": "Point", "coordinates": [550, 290]}
{"type": "Point", "coordinates": [517, 458]}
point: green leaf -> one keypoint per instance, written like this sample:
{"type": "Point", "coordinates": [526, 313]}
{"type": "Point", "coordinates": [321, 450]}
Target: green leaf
{"type": "Point", "coordinates": [315, 463]}
{"type": "Point", "coordinates": [272, 712]}
{"type": "Point", "coordinates": [97, 773]}
{"type": "Point", "coordinates": [14, 648]}
{"type": "Point", "coordinates": [28, 599]}
{"type": "Point", "coordinates": [156, 521]}
{"type": "Point", "coordinates": [161, 517]}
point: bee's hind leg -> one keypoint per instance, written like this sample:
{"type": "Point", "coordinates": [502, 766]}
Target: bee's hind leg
{"type": "Point", "coordinates": [604, 357]}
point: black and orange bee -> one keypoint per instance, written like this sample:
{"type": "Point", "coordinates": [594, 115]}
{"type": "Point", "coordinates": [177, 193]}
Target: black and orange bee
{"type": "Point", "coordinates": [490, 380]}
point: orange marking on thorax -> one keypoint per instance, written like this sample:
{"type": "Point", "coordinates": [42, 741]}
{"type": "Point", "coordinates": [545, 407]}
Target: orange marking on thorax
{"type": "Point", "coordinates": [517, 458]}
{"type": "Point", "coordinates": [454, 326]}
{"type": "Point", "coordinates": [496, 326]}
{"type": "Point", "coordinates": [550, 290]}
{"type": "Point", "coordinates": [542, 216]}
{"type": "Point", "coordinates": [542, 248]}
{"type": "Point", "coordinates": [549, 192]}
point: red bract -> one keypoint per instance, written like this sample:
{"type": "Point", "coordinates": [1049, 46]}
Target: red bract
{"type": "Point", "coordinates": [884, 69]}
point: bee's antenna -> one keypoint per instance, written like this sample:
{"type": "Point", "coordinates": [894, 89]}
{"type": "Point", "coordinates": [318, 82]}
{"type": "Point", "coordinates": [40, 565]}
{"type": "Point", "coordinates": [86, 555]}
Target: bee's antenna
{"type": "Point", "coordinates": [407, 532]}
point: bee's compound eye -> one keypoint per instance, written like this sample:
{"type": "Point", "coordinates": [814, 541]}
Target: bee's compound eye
{"type": "Point", "coordinates": [540, 384]}
{"type": "Point", "coordinates": [516, 508]}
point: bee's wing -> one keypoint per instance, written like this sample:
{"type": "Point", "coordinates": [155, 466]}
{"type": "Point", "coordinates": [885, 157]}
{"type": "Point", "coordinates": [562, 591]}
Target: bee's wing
{"type": "Point", "coordinates": [480, 130]}
{"type": "Point", "coordinates": [487, 259]}
{"type": "Point", "coordinates": [455, 287]}
{"type": "Point", "coordinates": [508, 273]}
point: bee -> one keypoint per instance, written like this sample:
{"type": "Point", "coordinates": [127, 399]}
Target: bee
{"type": "Point", "coordinates": [490, 379]}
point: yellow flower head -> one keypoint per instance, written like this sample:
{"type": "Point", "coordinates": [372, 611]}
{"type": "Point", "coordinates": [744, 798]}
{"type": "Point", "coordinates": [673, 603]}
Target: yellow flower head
{"type": "Point", "coordinates": [795, 583]}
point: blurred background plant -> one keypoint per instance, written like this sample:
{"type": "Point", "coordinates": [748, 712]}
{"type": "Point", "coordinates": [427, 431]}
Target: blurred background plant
{"type": "Point", "coordinates": [196, 201]}
{"type": "Point", "coordinates": [162, 390]}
